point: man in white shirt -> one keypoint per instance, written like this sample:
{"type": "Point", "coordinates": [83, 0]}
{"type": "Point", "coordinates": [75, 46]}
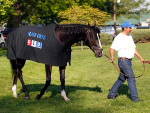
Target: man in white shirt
{"type": "Point", "coordinates": [124, 45]}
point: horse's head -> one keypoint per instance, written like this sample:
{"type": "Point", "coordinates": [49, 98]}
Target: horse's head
{"type": "Point", "coordinates": [93, 40]}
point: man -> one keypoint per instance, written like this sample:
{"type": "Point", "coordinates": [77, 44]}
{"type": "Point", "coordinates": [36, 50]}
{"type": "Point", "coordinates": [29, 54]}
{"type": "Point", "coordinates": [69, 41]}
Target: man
{"type": "Point", "coordinates": [124, 45]}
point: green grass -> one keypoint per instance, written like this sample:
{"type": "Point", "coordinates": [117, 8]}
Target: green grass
{"type": "Point", "coordinates": [88, 81]}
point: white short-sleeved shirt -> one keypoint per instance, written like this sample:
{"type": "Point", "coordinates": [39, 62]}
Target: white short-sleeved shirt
{"type": "Point", "coordinates": [124, 45]}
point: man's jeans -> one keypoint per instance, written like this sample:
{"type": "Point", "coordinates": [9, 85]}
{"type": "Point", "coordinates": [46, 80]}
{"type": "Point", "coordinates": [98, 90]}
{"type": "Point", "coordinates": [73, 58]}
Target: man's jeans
{"type": "Point", "coordinates": [125, 67]}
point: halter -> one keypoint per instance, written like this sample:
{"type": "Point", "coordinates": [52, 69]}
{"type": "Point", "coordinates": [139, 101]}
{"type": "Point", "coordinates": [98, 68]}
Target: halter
{"type": "Point", "coordinates": [96, 48]}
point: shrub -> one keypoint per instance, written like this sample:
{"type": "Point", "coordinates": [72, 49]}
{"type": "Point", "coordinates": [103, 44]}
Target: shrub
{"type": "Point", "coordinates": [106, 39]}
{"type": "Point", "coordinates": [139, 35]}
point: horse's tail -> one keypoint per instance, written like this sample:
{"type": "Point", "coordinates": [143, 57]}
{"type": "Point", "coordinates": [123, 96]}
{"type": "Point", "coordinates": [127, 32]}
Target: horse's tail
{"type": "Point", "coordinates": [13, 66]}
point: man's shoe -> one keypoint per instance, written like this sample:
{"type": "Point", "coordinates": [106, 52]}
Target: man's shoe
{"type": "Point", "coordinates": [110, 97]}
{"type": "Point", "coordinates": [137, 100]}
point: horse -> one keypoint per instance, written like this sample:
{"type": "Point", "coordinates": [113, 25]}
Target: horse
{"type": "Point", "coordinates": [65, 34]}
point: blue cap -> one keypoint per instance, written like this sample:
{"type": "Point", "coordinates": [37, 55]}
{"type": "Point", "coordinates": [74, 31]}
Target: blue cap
{"type": "Point", "coordinates": [126, 24]}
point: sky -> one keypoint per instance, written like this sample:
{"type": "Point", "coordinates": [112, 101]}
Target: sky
{"type": "Point", "coordinates": [148, 1]}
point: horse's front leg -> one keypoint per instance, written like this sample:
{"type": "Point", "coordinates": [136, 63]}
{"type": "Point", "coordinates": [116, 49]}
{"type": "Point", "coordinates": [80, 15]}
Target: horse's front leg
{"type": "Point", "coordinates": [62, 79]}
{"type": "Point", "coordinates": [14, 69]}
{"type": "Point", "coordinates": [48, 69]}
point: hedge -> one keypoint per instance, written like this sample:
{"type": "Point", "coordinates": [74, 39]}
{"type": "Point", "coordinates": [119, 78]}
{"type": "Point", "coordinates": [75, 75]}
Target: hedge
{"type": "Point", "coordinates": [106, 39]}
{"type": "Point", "coordinates": [139, 36]}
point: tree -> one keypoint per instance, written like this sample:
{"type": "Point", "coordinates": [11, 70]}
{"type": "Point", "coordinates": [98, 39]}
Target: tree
{"type": "Point", "coordinates": [46, 11]}
{"type": "Point", "coordinates": [126, 8]}
{"type": "Point", "coordinates": [130, 8]}
{"type": "Point", "coordinates": [83, 14]}
{"type": "Point", "coordinates": [5, 10]}
{"type": "Point", "coordinates": [32, 11]}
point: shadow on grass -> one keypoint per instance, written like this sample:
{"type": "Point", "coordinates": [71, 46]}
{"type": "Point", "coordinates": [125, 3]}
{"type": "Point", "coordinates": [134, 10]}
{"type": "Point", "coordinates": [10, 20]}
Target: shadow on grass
{"type": "Point", "coordinates": [123, 90]}
{"type": "Point", "coordinates": [9, 104]}
{"type": "Point", "coordinates": [56, 89]}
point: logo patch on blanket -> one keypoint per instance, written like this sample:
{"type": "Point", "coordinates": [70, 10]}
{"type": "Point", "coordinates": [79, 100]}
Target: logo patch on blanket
{"type": "Point", "coordinates": [34, 43]}
{"type": "Point", "coordinates": [40, 36]}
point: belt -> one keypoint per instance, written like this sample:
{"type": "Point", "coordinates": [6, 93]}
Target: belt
{"type": "Point", "coordinates": [125, 58]}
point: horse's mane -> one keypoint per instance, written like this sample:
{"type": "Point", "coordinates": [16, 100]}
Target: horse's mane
{"type": "Point", "coordinates": [72, 28]}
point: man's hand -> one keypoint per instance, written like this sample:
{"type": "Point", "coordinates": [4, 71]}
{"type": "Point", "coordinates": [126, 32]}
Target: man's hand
{"type": "Point", "coordinates": [111, 60]}
{"type": "Point", "coordinates": [142, 60]}
{"type": "Point", "coordinates": [138, 55]}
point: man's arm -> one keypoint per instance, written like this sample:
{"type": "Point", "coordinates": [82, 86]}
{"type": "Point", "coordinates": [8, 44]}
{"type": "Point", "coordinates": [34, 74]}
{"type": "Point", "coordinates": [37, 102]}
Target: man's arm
{"type": "Point", "coordinates": [111, 51]}
{"type": "Point", "coordinates": [138, 55]}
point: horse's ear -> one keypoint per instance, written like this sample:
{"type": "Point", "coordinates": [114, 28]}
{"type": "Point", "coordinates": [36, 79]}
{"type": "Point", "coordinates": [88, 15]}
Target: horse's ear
{"type": "Point", "coordinates": [95, 24]}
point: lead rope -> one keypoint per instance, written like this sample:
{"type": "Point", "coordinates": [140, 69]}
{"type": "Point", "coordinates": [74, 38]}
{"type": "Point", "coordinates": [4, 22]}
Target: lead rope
{"type": "Point", "coordinates": [123, 73]}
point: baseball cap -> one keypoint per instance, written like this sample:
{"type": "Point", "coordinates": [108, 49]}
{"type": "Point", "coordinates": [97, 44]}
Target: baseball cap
{"type": "Point", "coordinates": [126, 24]}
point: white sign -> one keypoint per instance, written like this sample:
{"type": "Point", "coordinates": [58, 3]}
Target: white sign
{"type": "Point", "coordinates": [118, 1]}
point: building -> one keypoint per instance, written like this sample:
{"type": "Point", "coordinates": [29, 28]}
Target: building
{"type": "Point", "coordinates": [143, 21]}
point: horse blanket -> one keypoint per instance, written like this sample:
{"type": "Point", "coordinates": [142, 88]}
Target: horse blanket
{"type": "Point", "coordinates": [37, 44]}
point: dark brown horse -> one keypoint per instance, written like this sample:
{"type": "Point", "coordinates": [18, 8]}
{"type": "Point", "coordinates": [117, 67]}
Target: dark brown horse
{"type": "Point", "coordinates": [66, 35]}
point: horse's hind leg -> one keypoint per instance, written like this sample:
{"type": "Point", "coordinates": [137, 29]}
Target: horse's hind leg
{"type": "Point", "coordinates": [62, 79]}
{"type": "Point", "coordinates": [17, 66]}
{"type": "Point", "coordinates": [14, 69]}
{"type": "Point", "coordinates": [48, 69]}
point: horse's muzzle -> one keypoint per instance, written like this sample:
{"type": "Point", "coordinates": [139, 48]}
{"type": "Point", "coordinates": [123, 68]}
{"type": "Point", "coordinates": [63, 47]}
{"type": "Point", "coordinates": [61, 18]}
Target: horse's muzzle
{"type": "Point", "coordinates": [98, 53]}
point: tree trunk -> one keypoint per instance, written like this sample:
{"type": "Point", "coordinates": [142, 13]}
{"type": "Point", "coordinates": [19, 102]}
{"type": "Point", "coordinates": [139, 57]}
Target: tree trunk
{"type": "Point", "coordinates": [16, 21]}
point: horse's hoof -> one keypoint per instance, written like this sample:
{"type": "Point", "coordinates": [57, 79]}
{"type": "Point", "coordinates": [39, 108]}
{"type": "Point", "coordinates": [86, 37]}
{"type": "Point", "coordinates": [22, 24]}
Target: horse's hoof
{"type": "Point", "coordinates": [27, 98]}
{"type": "Point", "coordinates": [67, 100]}
{"type": "Point", "coordinates": [37, 97]}
{"type": "Point", "coordinates": [15, 96]}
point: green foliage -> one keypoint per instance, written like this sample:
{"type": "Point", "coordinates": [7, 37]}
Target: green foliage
{"type": "Point", "coordinates": [83, 15]}
{"type": "Point", "coordinates": [5, 6]}
{"type": "Point", "coordinates": [132, 8]}
{"type": "Point", "coordinates": [139, 35]}
{"type": "Point", "coordinates": [102, 5]}
{"type": "Point", "coordinates": [46, 11]}
{"type": "Point", "coordinates": [88, 81]}
{"type": "Point", "coordinates": [5, 10]}
{"type": "Point", "coordinates": [129, 8]}
{"type": "Point", "coordinates": [106, 39]}
{"type": "Point", "coordinates": [33, 11]}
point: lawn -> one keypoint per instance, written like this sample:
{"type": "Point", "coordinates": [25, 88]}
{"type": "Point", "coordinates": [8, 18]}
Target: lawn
{"type": "Point", "coordinates": [88, 81]}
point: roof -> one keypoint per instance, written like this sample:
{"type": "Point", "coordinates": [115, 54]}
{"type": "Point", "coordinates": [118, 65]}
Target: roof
{"type": "Point", "coordinates": [120, 20]}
